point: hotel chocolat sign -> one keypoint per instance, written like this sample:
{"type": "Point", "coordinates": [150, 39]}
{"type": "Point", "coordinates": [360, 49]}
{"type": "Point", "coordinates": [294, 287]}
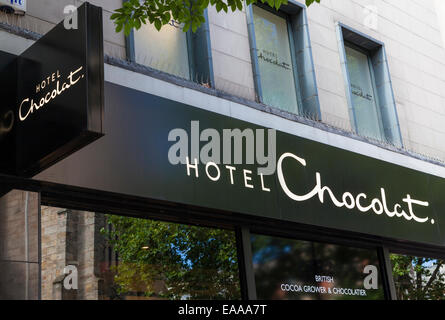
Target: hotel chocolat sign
{"type": "Point", "coordinates": [313, 184]}
{"type": "Point", "coordinates": [59, 95]}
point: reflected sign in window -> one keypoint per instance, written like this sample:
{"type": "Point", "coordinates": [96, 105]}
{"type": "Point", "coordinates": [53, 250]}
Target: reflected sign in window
{"type": "Point", "coordinates": [288, 269]}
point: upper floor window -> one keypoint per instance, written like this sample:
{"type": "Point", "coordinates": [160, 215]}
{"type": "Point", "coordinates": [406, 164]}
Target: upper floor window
{"type": "Point", "coordinates": [369, 89]}
{"type": "Point", "coordinates": [366, 112]}
{"type": "Point", "coordinates": [184, 54]}
{"type": "Point", "coordinates": [282, 59]}
{"type": "Point", "coordinates": [165, 50]}
{"type": "Point", "coordinates": [275, 62]}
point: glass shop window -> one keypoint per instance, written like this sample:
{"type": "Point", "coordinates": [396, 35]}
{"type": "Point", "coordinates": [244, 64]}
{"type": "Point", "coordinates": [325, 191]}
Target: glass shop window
{"type": "Point", "coordinates": [19, 250]}
{"type": "Point", "coordinates": [418, 278]}
{"type": "Point", "coordinates": [87, 255]}
{"type": "Point", "coordinates": [165, 50]}
{"type": "Point", "coordinates": [364, 100]}
{"type": "Point", "coordinates": [287, 269]}
{"type": "Point", "coordinates": [275, 62]}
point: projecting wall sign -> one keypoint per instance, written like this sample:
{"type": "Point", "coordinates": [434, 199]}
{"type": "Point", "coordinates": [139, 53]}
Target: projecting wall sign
{"type": "Point", "coordinates": [55, 90]}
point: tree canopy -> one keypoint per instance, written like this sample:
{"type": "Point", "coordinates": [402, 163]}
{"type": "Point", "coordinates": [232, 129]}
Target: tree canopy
{"type": "Point", "coordinates": [418, 278]}
{"type": "Point", "coordinates": [188, 13]}
{"type": "Point", "coordinates": [173, 261]}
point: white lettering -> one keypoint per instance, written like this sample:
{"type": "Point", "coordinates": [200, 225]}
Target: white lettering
{"type": "Point", "coordinates": [231, 169]}
{"type": "Point", "coordinates": [217, 170]}
{"type": "Point", "coordinates": [190, 166]}
{"type": "Point", "coordinates": [73, 78]}
{"type": "Point", "coordinates": [246, 179]}
{"type": "Point", "coordinates": [262, 183]}
{"type": "Point", "coordinates": [378, 206]}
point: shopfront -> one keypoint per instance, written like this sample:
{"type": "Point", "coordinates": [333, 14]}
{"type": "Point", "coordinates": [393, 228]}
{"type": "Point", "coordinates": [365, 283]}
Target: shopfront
{"type": "Point", "coordinates": [149, 198]}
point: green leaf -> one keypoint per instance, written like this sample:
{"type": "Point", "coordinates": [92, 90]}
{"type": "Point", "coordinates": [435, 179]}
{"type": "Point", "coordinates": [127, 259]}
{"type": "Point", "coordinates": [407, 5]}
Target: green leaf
{"type": "Point", "coordinates": [218, 6]}
{"type": "Point", "coordinates": [135, 3]}
{"type": "Point", "coordinates": [127, 29]}
{"type": "Point", "coordinates": [186, 26]}
{"type": "Point", "coordinates": [239, 5]}
{"type": "Point", "coordinates": [119, 27]}
{"type": "Point", "coordinates": [166, 18]}
{"type": "Point", "coordinates": [137, 24]}
{"type": "Point", "coordinates": [158, 24]}
{"type": "Point", "coordinates": [309, 2]}
{"type": "Point", "coordinates": [114, 16]}
{"type": "Point", "coordinates": [194, 26]}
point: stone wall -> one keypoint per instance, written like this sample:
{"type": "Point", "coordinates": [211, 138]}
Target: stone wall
{"type": "Point", "coordinates": [71, 238]}
{"type": "Point", "coordinates": [19, 269]}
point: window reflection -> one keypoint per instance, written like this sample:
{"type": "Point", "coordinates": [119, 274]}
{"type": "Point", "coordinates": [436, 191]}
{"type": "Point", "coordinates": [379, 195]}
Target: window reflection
{"type": "Point", "coordinates": [274, 60]}
{"type": "Point", "coordinates": [288, 269]}
{"type": "Point", "coordinates": [164, 50]}
{"type": "Point", "coordinates": [418, 278]}
{"type": "Point", "coordinates": [367, 116]}
{"type": "Point", "coordinates": [119, 257]}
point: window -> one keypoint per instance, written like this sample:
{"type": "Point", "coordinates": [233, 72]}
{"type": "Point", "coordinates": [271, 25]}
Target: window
{"type": "Point", "coordinates": [124, 258]}
{"type": "Point", "coordinates": [274, 60]}
{"type": "Point", "coordinates": [366, 113]}
{"type": "Point", "coordinates": [287, 269]}
{"type": "Point", "coordinates": [183, 54]}
{"type": "Point", "coordinates": [369, 89]}
{"type": "Point", "coordinates": [164, 50]}
{"type": "Point", "coordinates": [418, 278]}
{"type": "Point", "coordinates": [282, 59]}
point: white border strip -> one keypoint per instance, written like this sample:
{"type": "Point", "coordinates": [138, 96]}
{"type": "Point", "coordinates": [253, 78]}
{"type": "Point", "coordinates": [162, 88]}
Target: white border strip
{"type": "Point", "coordinates": [225, 107]}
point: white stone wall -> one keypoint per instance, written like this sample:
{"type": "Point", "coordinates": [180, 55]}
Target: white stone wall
{"type": "Point", "coordinates": [232, 65]}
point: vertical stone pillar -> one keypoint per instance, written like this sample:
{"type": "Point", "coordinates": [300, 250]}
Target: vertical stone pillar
{"type": "Point", "coordinates": [73, 238]}
{"type": "Point", "coordinates": [19, 241]}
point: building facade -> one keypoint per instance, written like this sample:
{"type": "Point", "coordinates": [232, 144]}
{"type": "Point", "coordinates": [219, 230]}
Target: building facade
{"type": "Point", "coordinates": [358, 86]}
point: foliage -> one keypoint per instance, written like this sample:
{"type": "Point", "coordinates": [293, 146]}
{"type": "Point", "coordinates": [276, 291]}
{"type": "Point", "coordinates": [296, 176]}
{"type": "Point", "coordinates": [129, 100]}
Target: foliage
{"type": "Point", "coordinates": [166, 260]}
{"type": "Point", "coordinates": [418, 278]}
{"type": "Point", "coordinates": [190, 13]}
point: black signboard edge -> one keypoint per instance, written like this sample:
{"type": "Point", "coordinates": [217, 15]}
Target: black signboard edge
{"type": "Point", "coordinates": [95, 61]}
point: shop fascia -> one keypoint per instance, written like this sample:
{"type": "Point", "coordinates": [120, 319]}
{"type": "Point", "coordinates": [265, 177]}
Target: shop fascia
{"type": "Point", "coordinates": [360, 202]}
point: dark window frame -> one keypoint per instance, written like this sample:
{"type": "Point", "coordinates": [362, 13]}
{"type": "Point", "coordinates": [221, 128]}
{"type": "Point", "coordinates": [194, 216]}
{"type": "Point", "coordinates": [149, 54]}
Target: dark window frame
{"type": "Point", "coordinates": [301, 56]}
